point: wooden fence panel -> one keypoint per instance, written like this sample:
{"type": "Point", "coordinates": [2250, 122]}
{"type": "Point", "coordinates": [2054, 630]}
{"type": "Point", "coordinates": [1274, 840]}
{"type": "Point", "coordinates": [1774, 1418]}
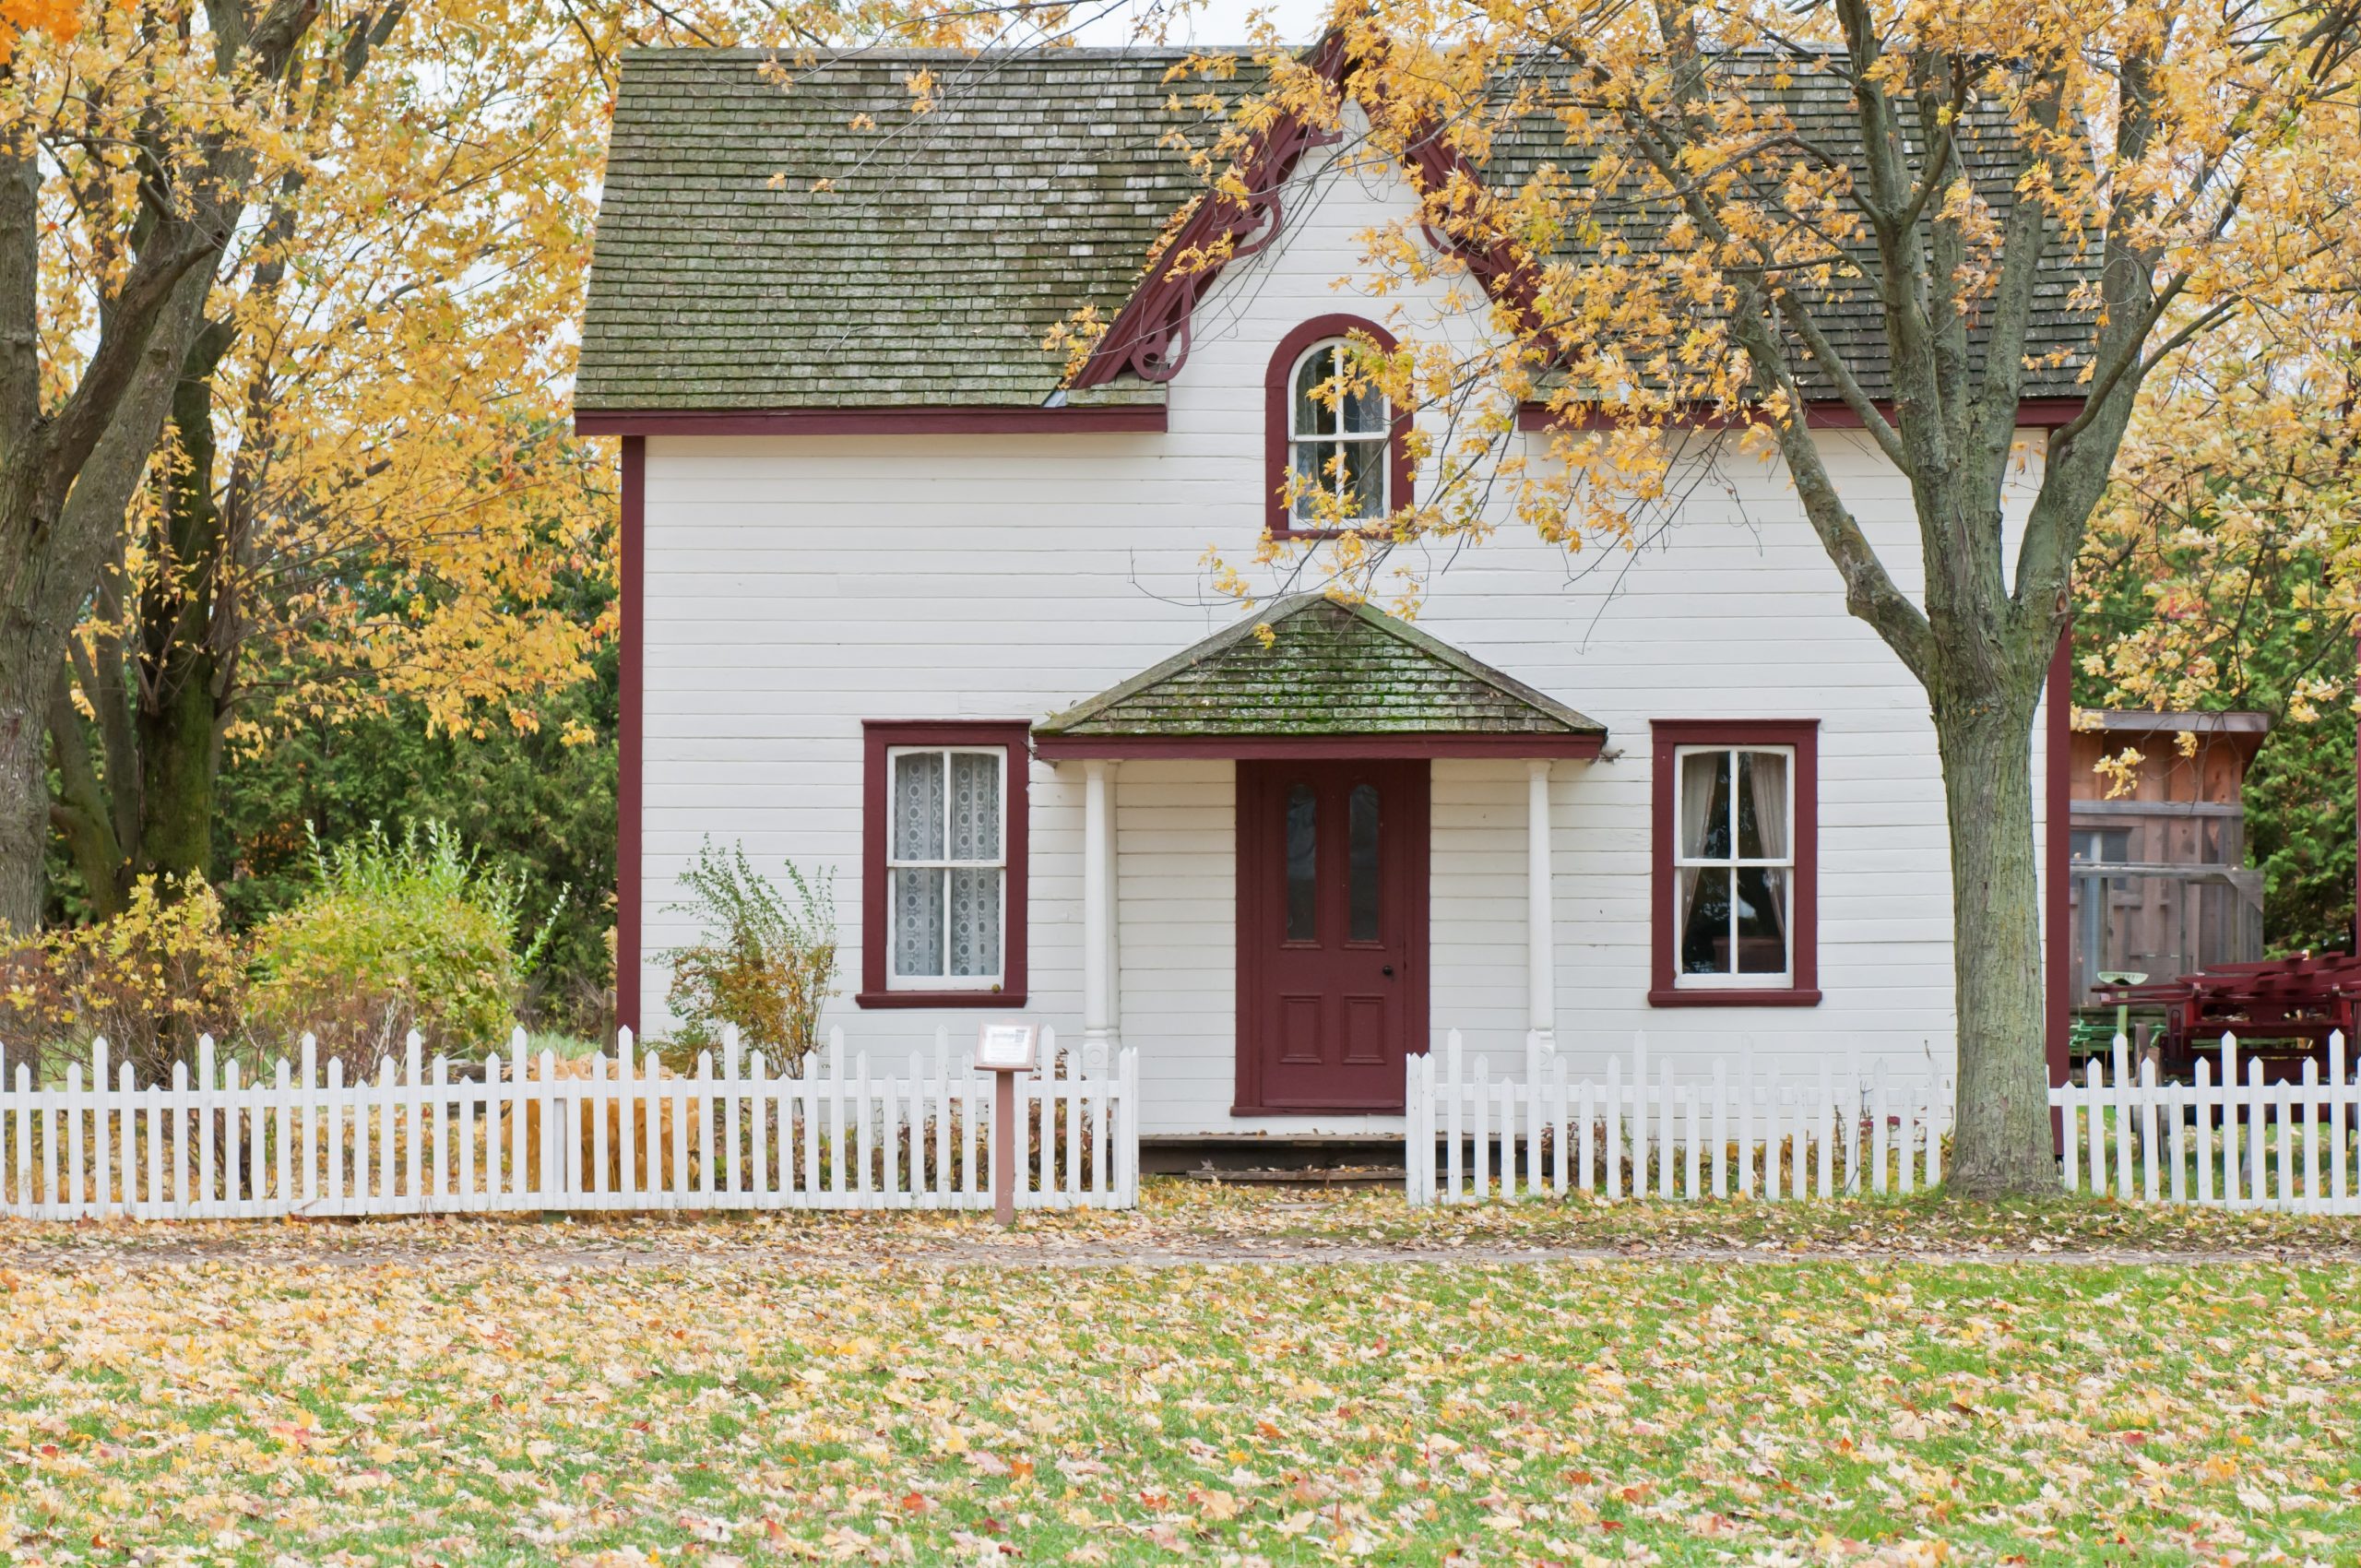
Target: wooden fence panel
{"type": "Point", "coordinates": [531, 1132]}
{"type": "Point", "coordinates": [1469, 1137]}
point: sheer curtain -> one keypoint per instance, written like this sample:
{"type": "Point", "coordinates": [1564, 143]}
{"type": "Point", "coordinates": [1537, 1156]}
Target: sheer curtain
{"type": "Point", "coordinates": [1699, 773]}
{"type": "Point", "coordinates": [1767, 784]}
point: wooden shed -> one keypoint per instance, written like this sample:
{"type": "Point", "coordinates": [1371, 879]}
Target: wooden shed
{"type": "Point", "coordinates": [2160, 884]}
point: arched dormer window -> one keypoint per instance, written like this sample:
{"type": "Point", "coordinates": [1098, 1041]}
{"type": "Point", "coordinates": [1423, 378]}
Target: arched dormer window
{"type": "Point", "coordinates": [1338, 445]}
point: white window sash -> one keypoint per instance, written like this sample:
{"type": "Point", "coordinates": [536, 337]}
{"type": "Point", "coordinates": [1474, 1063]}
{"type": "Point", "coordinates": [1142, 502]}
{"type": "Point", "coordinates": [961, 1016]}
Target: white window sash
{"type": "Point", "coordinates": [1296, 439]}
{"type": "Point", "coordinates": [895, 980]}
{"type": "Point", "coordinates": [1751, 979]}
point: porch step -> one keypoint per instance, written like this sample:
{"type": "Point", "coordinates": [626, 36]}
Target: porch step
{"type": "Point", "coordinates": [1309, 1176]}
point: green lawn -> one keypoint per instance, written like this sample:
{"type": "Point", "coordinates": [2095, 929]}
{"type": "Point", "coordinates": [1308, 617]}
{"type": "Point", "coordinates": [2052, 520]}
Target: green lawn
{"type": "Point", "coordinates": [451, 1409]}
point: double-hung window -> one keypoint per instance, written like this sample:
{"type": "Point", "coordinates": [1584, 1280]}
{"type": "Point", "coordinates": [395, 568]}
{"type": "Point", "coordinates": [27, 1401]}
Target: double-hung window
{"type": "Point", "coordinates": [949, 872]}
{"type": "Point", "coordinates": [943, 875]}
{"type": "Point", "coordinates": [1737, 845]}
{"type": "Point", "coordinates": [1737, 865]}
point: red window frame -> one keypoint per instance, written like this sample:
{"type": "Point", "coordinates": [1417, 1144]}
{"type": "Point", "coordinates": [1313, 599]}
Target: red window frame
{"type": "Point", "coordinates": [1278, 406]}
{"type": "Point", "coordinates": [1669, 735]}
{"type": "Point", "coordinates": [879, 736]}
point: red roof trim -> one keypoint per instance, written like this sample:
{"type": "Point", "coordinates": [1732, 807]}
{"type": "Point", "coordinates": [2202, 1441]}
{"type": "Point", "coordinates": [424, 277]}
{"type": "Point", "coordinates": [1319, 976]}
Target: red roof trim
{"type": "Point", "coordinates": [2032, 413]}
{"type": "Point", "coordinates": [1149, 337]}
{"type": "Point", "coordinates": [997, 421]}
{"type": "Point", "coordinates": [1298, 748]}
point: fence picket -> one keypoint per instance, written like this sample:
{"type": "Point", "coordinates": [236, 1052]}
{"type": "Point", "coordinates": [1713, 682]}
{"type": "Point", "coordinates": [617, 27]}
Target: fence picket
{"type": "Point", "coordinates": [1613, 1142]}
{"type": "Point", "coordinates": [1454, 1191]}
{"type": "Point", "coordinates": [2338, 1088]}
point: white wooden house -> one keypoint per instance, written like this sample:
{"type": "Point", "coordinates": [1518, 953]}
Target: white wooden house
{"type": "Point", "coordinates": [903, 599]}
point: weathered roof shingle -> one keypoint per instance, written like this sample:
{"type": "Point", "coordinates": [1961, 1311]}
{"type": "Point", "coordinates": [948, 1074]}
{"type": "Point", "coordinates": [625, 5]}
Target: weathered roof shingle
{"type": "Point", "coordinates": [948, 243]}
{"type": "Point", "coordinates": [1330, 669]}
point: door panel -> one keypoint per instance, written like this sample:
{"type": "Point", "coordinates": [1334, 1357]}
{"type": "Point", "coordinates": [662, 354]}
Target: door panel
{"type": "Point", "coordinates": [1332, 932]}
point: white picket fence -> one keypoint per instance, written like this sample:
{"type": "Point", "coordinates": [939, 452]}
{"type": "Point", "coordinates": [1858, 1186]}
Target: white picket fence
{"type": "Point", "coordinates": [536, 1133]}
{"type": "Point", "coordinates": [1470, 1137]}
{"type": "Point", "coordinates": [2217, 1141]}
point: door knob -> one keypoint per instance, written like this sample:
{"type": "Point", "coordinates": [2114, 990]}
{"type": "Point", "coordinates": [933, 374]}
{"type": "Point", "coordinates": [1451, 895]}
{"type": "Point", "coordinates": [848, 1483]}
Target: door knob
{"type": "Point", "coordinates": [1389, 971]}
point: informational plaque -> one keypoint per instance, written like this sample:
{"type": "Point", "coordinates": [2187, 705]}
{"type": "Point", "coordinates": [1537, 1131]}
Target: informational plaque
{"type": "Point", "coordinates": [1005, 1048]}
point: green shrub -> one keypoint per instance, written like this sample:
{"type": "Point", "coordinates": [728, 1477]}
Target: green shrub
{"type": "Point", "coordinates": [759, 964]}
{"type": "Point", "coordinates": [395, 936]}
{"type": "Point", "coordinates": [151, 981]}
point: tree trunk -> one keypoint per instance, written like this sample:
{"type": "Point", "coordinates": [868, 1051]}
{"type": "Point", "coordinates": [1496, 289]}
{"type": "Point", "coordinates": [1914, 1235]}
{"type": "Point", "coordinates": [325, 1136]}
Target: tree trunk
{"type": "Point", "coordinates": [47, 592]}
{"type": "Point", "coordinates": [28, 660]}
{"type": "Point", "coordinates": [179, 712]}
{"type": "Point", "coordinates": [2002, 1143]}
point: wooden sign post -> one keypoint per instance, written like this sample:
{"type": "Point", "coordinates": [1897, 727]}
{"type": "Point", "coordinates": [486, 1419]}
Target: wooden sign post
{"type": "Point", "coordinates": [1005, 1051]}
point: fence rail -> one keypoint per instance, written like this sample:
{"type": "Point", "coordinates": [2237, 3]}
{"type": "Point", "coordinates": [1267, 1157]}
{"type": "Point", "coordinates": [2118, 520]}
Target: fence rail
{"type": "Point", "coordinates": [1469, 1137]}
{"type": "Point", "coordinates": [2218, 1141]}
{"type": "Point", "coordinates": [539, 1133]}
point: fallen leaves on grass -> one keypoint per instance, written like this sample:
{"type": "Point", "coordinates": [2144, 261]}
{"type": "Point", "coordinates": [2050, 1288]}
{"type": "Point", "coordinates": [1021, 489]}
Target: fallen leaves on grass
{"type": "Point", "coordinates": [448, 1411]}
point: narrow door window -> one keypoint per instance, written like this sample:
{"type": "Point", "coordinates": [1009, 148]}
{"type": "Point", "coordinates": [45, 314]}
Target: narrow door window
{"type": "Point", "coordinates": [1361, 854]}
{"type": "Point", "coordinates": [1303, 863]}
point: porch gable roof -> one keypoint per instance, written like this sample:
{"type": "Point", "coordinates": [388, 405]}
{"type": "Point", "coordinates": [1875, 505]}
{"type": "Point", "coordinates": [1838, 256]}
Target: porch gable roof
{"type": "Point", "coordinates": [1335, 680]}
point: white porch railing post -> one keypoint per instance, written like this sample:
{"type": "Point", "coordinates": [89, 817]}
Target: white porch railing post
{"type": "Point", "coordinates": [1098, 951]}
{"type": "Point", "coordinates": [1541, 947]}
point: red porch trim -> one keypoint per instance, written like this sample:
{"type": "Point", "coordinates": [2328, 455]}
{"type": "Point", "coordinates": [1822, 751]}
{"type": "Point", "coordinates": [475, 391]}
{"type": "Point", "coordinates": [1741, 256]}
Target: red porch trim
{"type": "Point", "coordinates": [1060, 748]}
{"type": "Point", "coordinates": [1278, 419]}
{"type": "Point", "coordinates": [876, 736]}
{"type": "Point", "coordinates": [2032, 413]}
{"type": "Point", "coordinates": [1026, 418]}
{"type": "Point", "coordinates": [631, 710]}
{"type": "Point", "coordinates": [1668, 734]}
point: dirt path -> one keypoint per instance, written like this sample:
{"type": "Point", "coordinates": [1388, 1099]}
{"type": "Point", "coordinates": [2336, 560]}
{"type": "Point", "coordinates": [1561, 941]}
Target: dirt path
{"type": "Point", "coordinates": [594, 1256]}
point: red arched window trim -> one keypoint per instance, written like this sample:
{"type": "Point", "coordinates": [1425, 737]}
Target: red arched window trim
{"type": "Point", "coordinates": [1277, 400]}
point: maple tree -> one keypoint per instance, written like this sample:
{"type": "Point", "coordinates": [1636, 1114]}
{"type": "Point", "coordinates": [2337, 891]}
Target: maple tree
{"type": "Point", "coordinates": [342, 472]}
{"type": "Point", "coordinates": [366, 487]}
{"type": "Point", "coordinates": [1682, 248]}
{"type": "Point", "coordinates": [153, 129]}
{"type": "Point", "coordinates": [2223, 570]}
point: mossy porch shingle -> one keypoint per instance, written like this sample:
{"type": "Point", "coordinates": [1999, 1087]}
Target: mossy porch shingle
{"type": "Point", "coordinates": [1329, 668]}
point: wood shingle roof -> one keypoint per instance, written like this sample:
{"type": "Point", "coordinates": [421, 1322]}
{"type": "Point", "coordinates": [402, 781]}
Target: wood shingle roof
{"type": "Point", "coordinates": [819, 246]}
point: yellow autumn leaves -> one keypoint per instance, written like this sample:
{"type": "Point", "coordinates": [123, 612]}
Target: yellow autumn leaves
{"type": "Point", "coordinates": [788, 1391]}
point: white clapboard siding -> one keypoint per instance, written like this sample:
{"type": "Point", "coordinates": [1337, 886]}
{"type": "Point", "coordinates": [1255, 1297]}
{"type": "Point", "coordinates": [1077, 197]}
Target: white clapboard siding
{"type": "Point", "coordinates": [533, 1132]}
{"type": "Point", "coordinates": [1473, 1138]}
{"type": "Point", "coordinates": [2227, 1139]}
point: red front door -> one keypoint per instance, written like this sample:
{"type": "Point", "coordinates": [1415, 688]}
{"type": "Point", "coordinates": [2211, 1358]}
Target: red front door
{"type": "Point", "coordinates": [1332, 932]}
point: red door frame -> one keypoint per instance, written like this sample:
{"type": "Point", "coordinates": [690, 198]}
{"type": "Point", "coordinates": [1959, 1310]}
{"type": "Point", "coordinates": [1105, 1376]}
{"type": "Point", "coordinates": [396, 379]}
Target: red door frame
{"type": "Point", "coordinates": [1258, 911]}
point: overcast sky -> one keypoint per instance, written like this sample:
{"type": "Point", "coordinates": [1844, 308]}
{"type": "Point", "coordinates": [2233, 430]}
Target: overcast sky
{"type": "Point", "coordinates": [1215, 22]}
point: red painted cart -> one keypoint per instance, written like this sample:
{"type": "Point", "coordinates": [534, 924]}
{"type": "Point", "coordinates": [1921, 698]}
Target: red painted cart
{"type": "Point", "coordinates": [2283, 1010]}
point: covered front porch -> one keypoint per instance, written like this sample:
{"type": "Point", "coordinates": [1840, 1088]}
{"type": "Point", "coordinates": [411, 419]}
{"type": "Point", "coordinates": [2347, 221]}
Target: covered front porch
{"type": "Point", "coordinates": [1355, 889]}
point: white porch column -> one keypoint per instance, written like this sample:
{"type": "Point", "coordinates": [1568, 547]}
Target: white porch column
{"type": "Point", "coordinates": [1541, 949]}
{"type": "Point", "coordinates": [1098, 945]}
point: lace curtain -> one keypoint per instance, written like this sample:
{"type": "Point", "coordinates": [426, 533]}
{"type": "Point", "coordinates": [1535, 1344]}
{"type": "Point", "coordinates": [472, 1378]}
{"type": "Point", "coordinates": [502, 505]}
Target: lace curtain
{"type": "Point", "coordinates": [947, 877]}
